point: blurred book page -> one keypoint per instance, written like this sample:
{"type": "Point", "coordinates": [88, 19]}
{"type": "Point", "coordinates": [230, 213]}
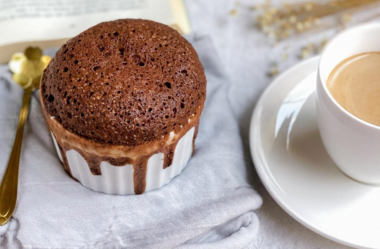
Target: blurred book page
{"type": "Point", "coordinates": [41, 20]}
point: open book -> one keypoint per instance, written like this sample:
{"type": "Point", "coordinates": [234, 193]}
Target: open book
{"type": "Point", "coordinates": [49, 23]}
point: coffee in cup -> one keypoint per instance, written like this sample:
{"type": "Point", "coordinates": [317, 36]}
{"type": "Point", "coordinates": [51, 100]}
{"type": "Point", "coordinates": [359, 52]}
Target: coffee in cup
{"type": "Point", "coordinates": [355, 85]}
{"type": "Point", "coordinates": [348, 86]}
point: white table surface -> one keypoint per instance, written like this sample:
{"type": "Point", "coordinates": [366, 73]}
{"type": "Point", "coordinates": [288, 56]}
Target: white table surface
{"type": "Point", "coordinates": [247, 57]}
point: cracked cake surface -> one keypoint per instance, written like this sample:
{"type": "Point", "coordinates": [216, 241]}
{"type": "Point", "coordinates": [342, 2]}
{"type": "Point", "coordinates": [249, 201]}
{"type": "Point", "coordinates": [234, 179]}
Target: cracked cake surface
{"type": "Point", "coordinates": [125, 82]}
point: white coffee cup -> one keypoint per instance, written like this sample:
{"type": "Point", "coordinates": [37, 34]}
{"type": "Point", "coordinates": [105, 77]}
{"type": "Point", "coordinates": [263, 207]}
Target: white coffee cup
{"type": "Point", "coordinates": [353, 144]}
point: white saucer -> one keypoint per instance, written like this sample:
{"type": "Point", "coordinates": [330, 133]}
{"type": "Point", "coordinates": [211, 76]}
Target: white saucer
{"type": "Point", "coordinates": [296, 170]}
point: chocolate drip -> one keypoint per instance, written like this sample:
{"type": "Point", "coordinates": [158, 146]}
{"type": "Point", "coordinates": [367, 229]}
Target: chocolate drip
{"type": "Point", "coordinates": [118, 161]}
{"type": "Point", "coordinates": [169, 154]}
{"type": "Point", "coordinates": [94, 164]}
{"type": "Point", "coordinates": [139, 174]}
{"type": "Point", "coordinates": [195, 137]}
{"type": "Point", "coordinates": [139, 164]}
{"type": "Point", "coordinates": [64, 160]}
{"type": "Point", "coordinates": [95, 161]}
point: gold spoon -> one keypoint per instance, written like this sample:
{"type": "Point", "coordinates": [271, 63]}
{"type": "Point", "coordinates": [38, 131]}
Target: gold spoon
{"type": "Point", "coordinates": [27, 69]}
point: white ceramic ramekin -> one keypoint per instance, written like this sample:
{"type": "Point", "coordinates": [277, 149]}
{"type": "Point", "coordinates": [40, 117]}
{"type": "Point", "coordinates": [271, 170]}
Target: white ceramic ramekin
{"type": "Point", "coordinates": [353, 144]}
{"type": "Point", "coordinates": [119, 179]}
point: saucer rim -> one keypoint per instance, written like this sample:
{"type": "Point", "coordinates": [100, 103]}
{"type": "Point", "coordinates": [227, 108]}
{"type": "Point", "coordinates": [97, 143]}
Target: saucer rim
{"type": "Point", "coordinates": [263, 169]}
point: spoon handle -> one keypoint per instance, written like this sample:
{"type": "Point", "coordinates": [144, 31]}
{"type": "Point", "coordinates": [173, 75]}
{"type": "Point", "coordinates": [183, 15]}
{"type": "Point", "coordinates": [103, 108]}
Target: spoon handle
{"type": "Point", "coordinates": [8, 188]}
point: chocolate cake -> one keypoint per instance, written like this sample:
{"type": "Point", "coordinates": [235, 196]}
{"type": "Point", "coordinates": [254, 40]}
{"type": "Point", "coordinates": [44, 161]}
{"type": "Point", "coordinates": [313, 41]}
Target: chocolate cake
{"type": "Point", "coordinates": [122, 91]}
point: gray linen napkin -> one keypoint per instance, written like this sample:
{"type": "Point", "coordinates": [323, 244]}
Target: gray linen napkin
{"type": "Point", "coordinates": [210, 205]}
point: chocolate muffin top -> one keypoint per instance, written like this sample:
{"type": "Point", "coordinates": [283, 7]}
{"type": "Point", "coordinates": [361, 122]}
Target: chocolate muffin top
{"type": "Point", "coordinates": [124, 82]}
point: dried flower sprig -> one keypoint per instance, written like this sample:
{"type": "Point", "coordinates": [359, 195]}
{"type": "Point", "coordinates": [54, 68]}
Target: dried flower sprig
{"type": "Point", "coordinates": [283, 21]}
